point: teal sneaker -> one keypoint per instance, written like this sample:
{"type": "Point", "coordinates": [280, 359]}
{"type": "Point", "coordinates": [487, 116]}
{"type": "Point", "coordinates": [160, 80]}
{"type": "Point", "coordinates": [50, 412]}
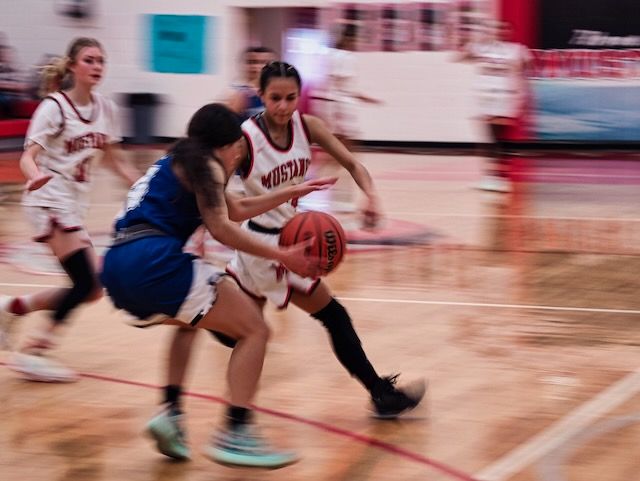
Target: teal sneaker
{"type": "Point", "coordinates": [242, 446]}
{"type": "Point", "coordinates": [166, 430]}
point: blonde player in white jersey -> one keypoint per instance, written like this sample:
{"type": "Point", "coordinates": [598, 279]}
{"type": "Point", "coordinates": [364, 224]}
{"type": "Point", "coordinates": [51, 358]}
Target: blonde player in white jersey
{"type": "Point", "coordinates": [68, 131]}
{"type": "Point", "coordinates": [279, 154]}
{"type": "Point", "coordinates": [502, 93]}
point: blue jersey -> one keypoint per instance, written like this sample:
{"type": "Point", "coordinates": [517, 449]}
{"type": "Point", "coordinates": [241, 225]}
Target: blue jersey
{"type": "Point", "coordinates": [159, 199]}
{"type": "Point", "coordinates": [152, 275]}
{"type": "Point", "coordinates": [254, 103]}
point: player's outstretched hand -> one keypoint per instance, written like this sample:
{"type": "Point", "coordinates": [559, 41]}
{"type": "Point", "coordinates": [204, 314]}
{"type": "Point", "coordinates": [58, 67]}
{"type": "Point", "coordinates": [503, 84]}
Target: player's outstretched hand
{"type": "Point", "coordinates": [371, 213]}
{"type": "Point", "coordinates": [295, 259]}
{"type": "Point", "coordinates": [312, 185]}
{"type": "Point", "coordinates": [37, 182]}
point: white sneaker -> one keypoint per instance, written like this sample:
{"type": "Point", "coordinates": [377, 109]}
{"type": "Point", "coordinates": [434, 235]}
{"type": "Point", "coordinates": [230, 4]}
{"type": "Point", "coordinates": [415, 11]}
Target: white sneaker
{"type": "Point", "coordinates": [494, 184]}
{"type": "Point", "coordinates": [7, 323]}
{"type": "Point", "coordinates": [39, 368]}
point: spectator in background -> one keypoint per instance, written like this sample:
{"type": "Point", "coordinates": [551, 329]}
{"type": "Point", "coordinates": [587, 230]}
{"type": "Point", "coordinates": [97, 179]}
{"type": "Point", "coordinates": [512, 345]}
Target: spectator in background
{"type": "Point", "coordinates": [502, 90]}
{"type": "Point", "coordinates": [335, 103]}
{"type": "Point", "coordinates": [12, 84]}
{"type": "Point", "coordinates": [244, 99]}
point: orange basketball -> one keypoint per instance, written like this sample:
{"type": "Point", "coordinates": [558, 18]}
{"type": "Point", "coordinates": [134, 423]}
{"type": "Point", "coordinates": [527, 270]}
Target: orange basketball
{"type": "Point", "coordinates": [330, 241]}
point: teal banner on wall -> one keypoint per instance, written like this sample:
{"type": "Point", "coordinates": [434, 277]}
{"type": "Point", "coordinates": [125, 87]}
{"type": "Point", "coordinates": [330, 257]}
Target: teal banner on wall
{"type": "Point", "coordinates": [179, 43]}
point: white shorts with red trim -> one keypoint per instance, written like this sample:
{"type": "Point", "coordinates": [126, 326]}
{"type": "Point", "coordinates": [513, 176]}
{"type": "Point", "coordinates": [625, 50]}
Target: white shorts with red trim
{"type": "Point", "coordinates": [265, 278]}
{"type": "Point", "coordinates": [45, 219]}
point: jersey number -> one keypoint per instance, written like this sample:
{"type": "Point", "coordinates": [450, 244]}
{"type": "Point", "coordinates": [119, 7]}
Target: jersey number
{"type": "Point", "coordinates": [140, 188]}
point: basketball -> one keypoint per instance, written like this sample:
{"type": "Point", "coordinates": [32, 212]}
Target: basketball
{"type": "Point", "coordinates": [330, 240]}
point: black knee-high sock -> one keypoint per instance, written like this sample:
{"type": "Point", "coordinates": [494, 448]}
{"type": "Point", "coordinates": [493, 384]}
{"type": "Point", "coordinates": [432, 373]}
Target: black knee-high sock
{"type": "Point", "coordinates": [78, 267]}
{"type": "Point", "coordinates": [346, 344]}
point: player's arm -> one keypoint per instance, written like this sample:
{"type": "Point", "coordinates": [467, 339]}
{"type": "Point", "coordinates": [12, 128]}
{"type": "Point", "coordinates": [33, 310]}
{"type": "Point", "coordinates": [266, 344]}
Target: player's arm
{"type": "Point", "coordinates": [114, 158]}
{"type": "Point", "coordinates": [216, 219]}
{"type": "Point", "coordinates": [30, 169]}
{"type": "Point", "coordinates": [320, 134]}
{"type": "Point", "coordinates": [242, 208]}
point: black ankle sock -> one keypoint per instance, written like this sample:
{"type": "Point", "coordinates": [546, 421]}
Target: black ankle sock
{"type": "Point", "coordinates": [172, 395]}
{"type": "Point", "coordinates": [237, 416]}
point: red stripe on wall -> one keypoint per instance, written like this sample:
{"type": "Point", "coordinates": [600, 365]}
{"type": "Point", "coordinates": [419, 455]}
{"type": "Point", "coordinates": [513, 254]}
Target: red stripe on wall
{"type": "Point", "coordinates": [523, 16]}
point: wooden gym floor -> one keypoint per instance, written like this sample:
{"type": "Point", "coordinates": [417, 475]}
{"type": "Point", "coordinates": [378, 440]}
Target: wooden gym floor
{"type": "Point", "coordinates": [522, 310]}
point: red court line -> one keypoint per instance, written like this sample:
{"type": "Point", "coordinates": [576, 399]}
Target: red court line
{"type": "Point", "coordinates": [390, 448]}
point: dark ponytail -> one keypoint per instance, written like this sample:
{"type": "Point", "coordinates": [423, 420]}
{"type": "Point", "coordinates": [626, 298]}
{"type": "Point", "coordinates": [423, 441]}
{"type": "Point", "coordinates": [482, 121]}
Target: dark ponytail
{"type": "Point", "coordinates": [213, 126]}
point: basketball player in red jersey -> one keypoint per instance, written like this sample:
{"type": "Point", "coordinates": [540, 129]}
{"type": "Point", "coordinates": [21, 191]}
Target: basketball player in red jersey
{"type": "Point", "coordinates": [71, 130]}
{"type": "Point", "coordinates": [279, 152]}
{"type": "Point", "coordinates": [502, 93]}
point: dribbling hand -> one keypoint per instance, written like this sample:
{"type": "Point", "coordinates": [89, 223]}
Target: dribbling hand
{"type": "Point", "coordinates": [295, 259]}
{"type": "Point", "coordinates": [371, 214]}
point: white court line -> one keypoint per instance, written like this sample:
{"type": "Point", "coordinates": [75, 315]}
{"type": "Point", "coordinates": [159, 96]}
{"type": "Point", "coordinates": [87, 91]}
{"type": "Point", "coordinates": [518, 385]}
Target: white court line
{"type": "Point", "coordinates": [486, 304]}
{"type": "Point", "coordinates": [16, 284]}
{"type": "Point", "coordinates": [562, 431]}
{"type": "Point", "coordinates": [492, 216]}
{"type": "Point", "coordinates": [433, 303]}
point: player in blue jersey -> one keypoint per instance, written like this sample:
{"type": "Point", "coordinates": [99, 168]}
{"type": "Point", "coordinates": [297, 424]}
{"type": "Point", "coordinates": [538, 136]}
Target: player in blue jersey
{"type": "Point", "coordinates": [279, 143]}
{"type": "Point", "coordinates": [147, 273]}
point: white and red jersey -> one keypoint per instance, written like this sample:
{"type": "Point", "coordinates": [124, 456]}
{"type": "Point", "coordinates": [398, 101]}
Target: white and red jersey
{"type": "Point", "coordinates": [72, 137]}
{"type": "Point", "coordinates": [501, 83]}
{"type": "Point", "coordinates": [272, 167]}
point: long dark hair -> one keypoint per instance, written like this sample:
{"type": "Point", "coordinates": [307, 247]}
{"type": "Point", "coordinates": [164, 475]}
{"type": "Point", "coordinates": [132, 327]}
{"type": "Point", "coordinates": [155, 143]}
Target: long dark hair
{"type": "Point", "coordinates": [212, 126]}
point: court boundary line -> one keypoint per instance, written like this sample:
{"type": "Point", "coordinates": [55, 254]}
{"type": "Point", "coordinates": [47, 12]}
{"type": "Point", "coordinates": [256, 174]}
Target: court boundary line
{"type": "Point", "coordinates": [562, 430]}
{"type": "Point", "coordinates": [431, 303]}
{"type": "Point", "coordinates": [361, 438]}
{"type": "Point", "coordinates": [494, 305]}
{"type": "Point", "coordinates": [550, 466]}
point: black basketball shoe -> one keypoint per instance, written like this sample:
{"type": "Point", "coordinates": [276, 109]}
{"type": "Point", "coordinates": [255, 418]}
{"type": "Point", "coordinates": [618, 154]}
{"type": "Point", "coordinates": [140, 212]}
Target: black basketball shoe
{"type": "Point", "coordinates": [390, 401]}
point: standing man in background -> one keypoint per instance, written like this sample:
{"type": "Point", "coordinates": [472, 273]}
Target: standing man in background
{"type": "Point", "coordinates": [244, 99]}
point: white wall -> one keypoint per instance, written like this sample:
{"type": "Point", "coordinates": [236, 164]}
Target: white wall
{"type": "Point", "coordinates": [427, 96]}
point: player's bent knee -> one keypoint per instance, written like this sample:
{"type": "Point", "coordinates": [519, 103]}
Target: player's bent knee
{"type": "Point", "coordinates": [255, 328]}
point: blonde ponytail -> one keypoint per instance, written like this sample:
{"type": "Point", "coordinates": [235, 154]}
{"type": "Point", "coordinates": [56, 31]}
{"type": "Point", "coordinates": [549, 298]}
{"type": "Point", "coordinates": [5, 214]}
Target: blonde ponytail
{"type": "Point", "coordinates": [53, 75]}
